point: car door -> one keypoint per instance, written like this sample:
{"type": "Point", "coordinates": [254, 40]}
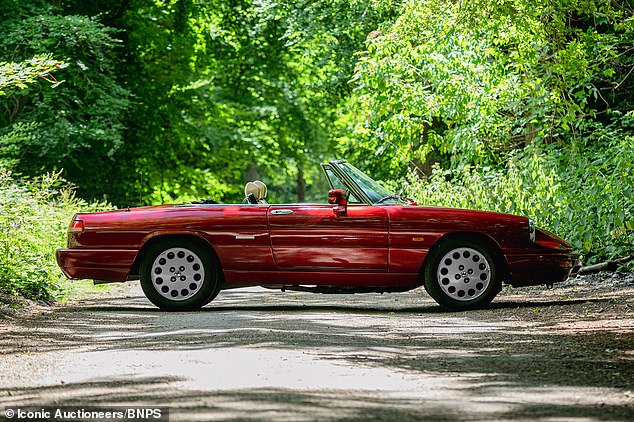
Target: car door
{"type": "Point", "coordinates": [308, 236]}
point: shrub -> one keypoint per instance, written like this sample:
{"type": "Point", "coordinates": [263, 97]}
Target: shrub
{"type": "Point", "coordinates": [586, 196]}
{"type": "Point", "coordinates": [34, 217]}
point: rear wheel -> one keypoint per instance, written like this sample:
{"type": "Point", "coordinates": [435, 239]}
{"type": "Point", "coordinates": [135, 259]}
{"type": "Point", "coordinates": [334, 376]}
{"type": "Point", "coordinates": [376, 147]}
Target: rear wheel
{"type": "Point", "coordinates": [177, 275]}
{"type": "Point", "coordinates": [462, 274]}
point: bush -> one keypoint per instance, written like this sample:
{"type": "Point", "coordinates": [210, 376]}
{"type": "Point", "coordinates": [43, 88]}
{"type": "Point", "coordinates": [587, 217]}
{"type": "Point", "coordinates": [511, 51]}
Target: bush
{"type": "Point", "coordinates": [34, 217]}
{"type": "Point", "coordinates": [586, 196]}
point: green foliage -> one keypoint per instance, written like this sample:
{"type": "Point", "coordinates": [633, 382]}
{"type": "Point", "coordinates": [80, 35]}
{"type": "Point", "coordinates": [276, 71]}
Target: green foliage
{"type": "Point", "coordinates": [34, 217]}
{"type": "Point", "coordinates": [229, 91]}
{"type": "Point", "coordinates": [78, 124]}
{"type": "Point", "coordinates": [244, 91]}
{"type": "Point", "coordinates": [224, 92]}
{"type": "Point", "coordinates": [588, 198]}
{"type": "Point", "coordinates": [467, 82]}
{"type": "Point", "coordinates": [17, 76]}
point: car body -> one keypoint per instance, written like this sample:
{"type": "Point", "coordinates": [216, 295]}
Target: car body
{"type": "Point", "coordinates": [362, 240]}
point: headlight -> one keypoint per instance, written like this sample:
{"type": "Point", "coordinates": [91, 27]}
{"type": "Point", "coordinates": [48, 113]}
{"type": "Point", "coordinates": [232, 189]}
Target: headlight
{"type": "Point", "coordinates": [531, 230]}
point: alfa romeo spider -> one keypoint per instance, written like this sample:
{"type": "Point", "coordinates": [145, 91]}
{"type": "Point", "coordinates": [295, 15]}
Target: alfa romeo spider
{"type": "Point", "coordinates": [362, 239]}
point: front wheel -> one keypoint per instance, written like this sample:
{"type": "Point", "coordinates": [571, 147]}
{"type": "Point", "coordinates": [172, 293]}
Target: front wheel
{"type": "Point", "coordinates": [461, 275]}
{"type": "Point", "coordinates": [178, 276]}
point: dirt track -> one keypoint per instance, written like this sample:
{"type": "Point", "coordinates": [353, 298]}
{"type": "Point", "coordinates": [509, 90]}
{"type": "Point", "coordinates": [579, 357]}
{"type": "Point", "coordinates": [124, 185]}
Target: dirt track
{"type": "Point", "coordinates": [561, 354]}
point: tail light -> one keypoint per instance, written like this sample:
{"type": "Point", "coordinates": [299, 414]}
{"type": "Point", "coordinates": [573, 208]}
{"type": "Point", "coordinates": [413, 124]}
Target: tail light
{"type": "Point", "coordinates": [76, 226]}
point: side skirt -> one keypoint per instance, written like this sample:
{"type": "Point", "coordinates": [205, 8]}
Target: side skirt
{"type": "Point", "coordinates": [366, 281]}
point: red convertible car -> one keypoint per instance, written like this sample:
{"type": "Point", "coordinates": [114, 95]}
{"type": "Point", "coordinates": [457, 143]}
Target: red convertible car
{"type": "Point", "coordinates": [364, 239]}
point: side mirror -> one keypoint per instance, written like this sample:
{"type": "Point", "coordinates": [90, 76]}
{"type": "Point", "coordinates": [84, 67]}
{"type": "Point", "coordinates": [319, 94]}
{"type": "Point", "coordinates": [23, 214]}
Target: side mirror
{"type": "Point", "coordinates": [339, 198]}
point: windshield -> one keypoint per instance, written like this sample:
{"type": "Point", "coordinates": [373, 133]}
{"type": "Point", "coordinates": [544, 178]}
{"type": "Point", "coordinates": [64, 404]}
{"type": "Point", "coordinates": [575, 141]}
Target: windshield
{"type": "Point", "coordinates": [369, 186]}
{"type": "Point", "coordinates": [338, 184]}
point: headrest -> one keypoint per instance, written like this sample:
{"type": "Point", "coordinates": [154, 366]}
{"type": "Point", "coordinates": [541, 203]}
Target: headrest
{"type": "Point", "coordinates": [261, 189]}
{"type": "Point", "coordinates": [251, 188]}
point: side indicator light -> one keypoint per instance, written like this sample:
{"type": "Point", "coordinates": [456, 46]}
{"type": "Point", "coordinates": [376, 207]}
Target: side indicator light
{"type": "Point", "coordinates": [418, 239]}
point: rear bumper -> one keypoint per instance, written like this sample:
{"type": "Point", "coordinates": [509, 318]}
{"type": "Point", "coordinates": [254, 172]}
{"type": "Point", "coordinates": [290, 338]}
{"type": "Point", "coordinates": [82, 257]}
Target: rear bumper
{"type": "Point", "coordinates": [532, 270]}
{"type": "Point", "coordinates": [109, 265]}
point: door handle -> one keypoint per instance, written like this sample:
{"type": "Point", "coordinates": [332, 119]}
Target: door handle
{"type": "Point", "coordinates": [281, 212]}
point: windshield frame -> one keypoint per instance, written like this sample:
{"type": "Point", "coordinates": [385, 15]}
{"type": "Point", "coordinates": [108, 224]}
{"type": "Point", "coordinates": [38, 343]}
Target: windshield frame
{"type": "Point", "coordinates": [359, 184]}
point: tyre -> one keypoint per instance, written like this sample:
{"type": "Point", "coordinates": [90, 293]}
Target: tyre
{"type": "Point", "coordinates": [177, 275]}
{"type": "Point", "coordinates": [462, 274]}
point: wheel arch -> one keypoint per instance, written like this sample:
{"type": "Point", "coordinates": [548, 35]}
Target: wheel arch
{"type": "Point", "coordinates": [489, 243]}
{"type": "Point", "coordinates": [154, 239]}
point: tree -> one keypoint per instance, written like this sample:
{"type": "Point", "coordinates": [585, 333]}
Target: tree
{"type": "Point", "coordinates": [81, 123]}
{"type": "Point", "coordinates": [468, 82]}
{"type": "Point", "coordinates": [227, 91]}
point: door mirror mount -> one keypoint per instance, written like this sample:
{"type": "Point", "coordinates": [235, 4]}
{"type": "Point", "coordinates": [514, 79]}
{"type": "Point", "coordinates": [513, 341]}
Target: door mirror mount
{"type": "Point", "coordinates": [339, 198]}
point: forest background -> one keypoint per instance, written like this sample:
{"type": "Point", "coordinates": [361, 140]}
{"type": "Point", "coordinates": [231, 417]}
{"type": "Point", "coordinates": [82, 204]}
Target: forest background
{"type": "Point", "coordinates": [510, 105]}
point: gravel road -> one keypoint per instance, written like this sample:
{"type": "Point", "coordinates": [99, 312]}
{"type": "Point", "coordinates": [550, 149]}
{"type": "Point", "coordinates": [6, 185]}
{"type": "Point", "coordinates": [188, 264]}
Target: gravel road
{"type": "Point", "coordinates": [259, 355]}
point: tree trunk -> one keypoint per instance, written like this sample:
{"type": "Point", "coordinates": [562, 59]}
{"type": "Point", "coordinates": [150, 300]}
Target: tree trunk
{"type": "Point", "coordinates": [301, 185]}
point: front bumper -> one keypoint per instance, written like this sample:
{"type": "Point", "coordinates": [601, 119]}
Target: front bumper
{"type": "Point", "coordinates": [108, 265]}
{"type": "Point", "coordinates": [533, 270]}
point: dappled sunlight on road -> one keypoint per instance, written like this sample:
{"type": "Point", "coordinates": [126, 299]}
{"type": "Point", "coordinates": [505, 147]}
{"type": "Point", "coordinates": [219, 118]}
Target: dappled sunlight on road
{"type": "Point", "coordinates": [190, 374]}
{"type": "Point", "coordinates": [267, 355]}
